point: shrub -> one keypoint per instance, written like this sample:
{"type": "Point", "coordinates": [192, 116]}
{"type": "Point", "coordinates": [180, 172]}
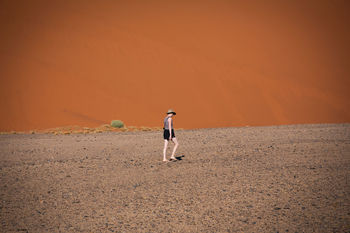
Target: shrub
{"type": "Point", "coordinates": [117, 124]}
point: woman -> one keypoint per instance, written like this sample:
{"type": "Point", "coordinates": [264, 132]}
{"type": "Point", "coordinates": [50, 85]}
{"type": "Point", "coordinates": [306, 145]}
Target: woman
{"type": "Point", "coordinates": [169, 134]}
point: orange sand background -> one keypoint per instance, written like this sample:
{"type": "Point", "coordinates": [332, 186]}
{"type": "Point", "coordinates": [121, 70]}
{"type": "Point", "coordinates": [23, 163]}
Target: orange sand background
{"type": "Point", "coordinates": [217, 63]}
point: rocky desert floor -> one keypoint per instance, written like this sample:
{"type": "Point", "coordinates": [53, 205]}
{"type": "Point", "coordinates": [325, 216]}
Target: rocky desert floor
{"type": "Point", "coordinates": [293, 178]}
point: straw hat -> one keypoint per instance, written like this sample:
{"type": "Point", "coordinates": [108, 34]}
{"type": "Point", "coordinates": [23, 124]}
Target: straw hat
{"type": "Point", "coordinates": [171, 111]}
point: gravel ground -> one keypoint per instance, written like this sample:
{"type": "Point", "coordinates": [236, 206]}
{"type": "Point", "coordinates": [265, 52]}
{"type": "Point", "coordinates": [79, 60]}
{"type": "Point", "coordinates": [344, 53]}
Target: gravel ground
{"type": "Point", "coordinates": [291, 178]}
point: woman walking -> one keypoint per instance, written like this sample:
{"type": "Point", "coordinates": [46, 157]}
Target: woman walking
{"type": "Point", "coordinates": [169, 134]}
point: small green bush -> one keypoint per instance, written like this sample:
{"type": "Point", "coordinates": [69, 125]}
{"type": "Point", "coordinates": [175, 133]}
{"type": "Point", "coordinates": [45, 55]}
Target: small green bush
{"type": "Point", "coordinates": [117, 124]}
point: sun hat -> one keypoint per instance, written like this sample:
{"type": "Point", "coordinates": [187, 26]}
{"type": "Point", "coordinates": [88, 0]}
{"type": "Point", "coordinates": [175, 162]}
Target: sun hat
{"type": "Point", "coordinates": [171, 111]}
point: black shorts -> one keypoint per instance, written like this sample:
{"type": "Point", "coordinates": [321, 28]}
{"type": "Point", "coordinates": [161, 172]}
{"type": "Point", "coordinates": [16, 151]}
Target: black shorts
{"type": "Point", "coordinates": [166, 134]}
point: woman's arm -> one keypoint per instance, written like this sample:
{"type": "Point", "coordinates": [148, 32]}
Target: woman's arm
{"type": "Point", "coordinates": [169, 123]}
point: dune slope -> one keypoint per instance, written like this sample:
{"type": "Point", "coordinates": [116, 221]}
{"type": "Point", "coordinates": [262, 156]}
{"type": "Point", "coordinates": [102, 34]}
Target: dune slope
{"type": "Point", "coordinates": [218, 63]}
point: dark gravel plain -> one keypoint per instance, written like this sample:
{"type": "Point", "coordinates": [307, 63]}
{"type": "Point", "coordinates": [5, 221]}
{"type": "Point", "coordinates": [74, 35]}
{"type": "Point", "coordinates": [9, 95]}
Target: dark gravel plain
{"type": "Point", "coordinates": [293, 178]}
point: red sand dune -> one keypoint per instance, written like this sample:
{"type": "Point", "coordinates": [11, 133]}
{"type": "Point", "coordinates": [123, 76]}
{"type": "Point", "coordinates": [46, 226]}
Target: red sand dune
{"type": "Point", "coordinates": [217, 63]}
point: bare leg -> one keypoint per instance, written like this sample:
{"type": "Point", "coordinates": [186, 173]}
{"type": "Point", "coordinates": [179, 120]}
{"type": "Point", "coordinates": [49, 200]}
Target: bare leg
{"type": "Point", "coordinates": [164, 150]}
{"type": "Point", "coordinates": [175, 147]}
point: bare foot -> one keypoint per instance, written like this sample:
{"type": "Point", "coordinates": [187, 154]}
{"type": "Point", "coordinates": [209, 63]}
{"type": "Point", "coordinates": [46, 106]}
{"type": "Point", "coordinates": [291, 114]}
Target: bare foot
{"type": "Point", "coordinates": [165, 160]}
{"type": "Point", "coordinates": [173, 158]}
